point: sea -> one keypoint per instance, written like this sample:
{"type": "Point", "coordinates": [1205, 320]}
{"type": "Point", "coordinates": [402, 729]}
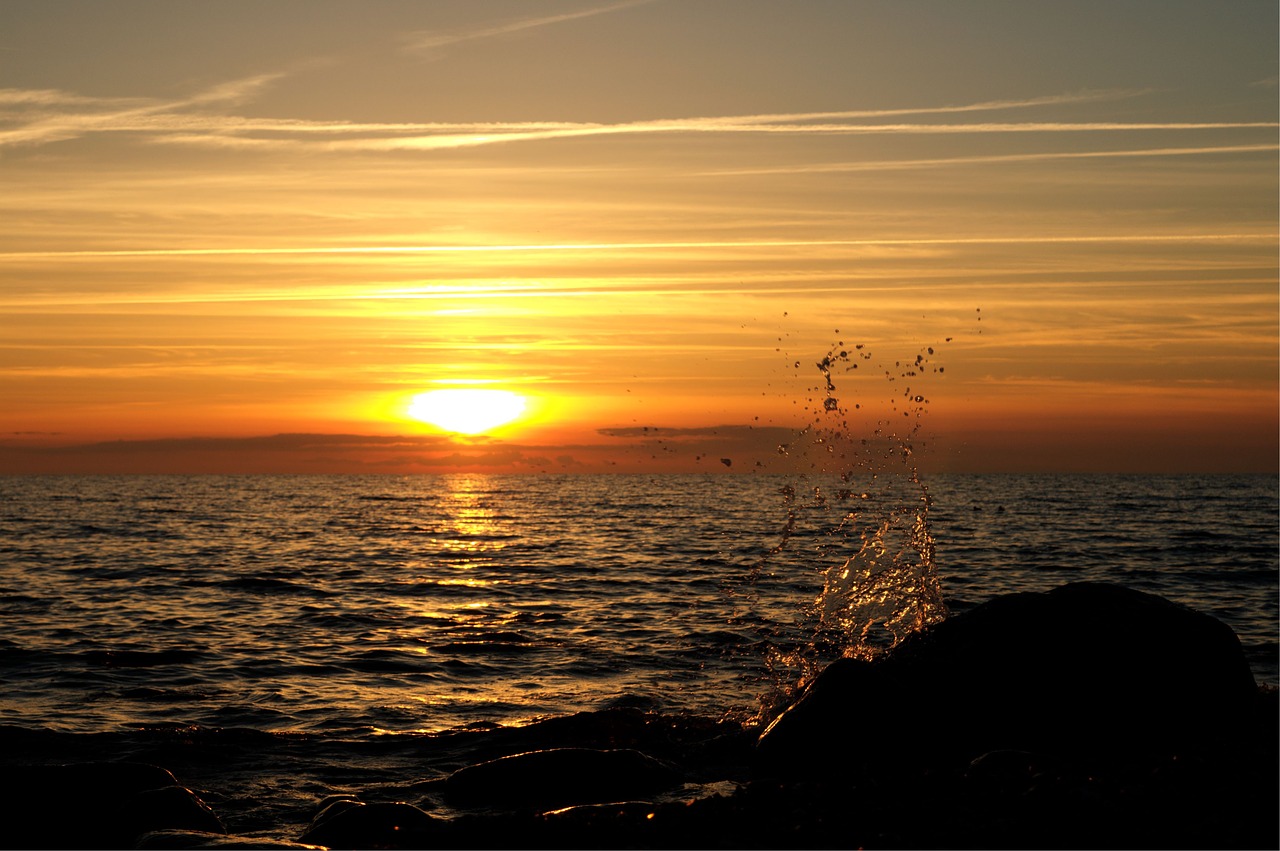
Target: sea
{"type": "Point", "coordinates": [274, 639]}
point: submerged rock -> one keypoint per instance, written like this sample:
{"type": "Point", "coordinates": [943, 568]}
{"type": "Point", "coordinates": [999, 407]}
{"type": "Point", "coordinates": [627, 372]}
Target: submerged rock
{"type": "Point", "coordinates": [560, 777]}
{"type": "Point", "coordinates": [1086, 669]}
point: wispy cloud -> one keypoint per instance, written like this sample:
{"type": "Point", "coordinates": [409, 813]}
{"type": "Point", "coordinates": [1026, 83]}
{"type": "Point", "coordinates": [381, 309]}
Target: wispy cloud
{"type": "Point", "coordinates": [881, 165]}
{"type": "Point", "coordinates": [445, 137]}
{"type": "Point", "coordinates": [56, 97]}
{"type": "Point", "coordinates": [429, 40]}
{"type": "Point", "coordinates": [735, 124]}
{"type": "Point", "coordinates": [641, 246]}
{"type": "Point", "coordinates": [44, 116]}
{"type": "Point", "coordinates": [715, 449]}
{"type": "Point", "coordinates": [96, 115]}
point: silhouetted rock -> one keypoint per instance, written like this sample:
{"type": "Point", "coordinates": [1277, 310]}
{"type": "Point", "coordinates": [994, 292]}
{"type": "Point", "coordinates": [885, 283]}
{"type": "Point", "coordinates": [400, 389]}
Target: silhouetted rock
{"type": "Point", "coordinates": [352, 824]}
{"type": "Point", "coordinates": [1086, 669]}
{"type": "Point", "coordinates": [560, 777]}
{"type": "Point", "coordinates": [96, 804]}
{"type": "Point", "coordinates": [169, 808]}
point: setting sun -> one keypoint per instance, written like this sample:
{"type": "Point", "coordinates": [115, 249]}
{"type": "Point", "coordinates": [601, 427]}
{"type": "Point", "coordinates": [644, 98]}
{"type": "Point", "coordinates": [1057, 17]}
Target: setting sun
{"type": "Point", "coordinates": [269, 241]}
{"type": "Point", "coordinates": [467, 411]}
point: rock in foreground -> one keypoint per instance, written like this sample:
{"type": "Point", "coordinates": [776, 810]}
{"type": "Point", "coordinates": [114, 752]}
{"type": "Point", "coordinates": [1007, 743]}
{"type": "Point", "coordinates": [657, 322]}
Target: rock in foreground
{"type": "Point", "coordinates": [1083, 670]}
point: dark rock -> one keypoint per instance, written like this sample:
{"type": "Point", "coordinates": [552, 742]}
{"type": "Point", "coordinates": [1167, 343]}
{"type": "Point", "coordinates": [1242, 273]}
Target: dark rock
{"type": "Point", "coordinates": [611, 810]}
{"type": "Point", "coordinates": [1012, 772]}
{"type": "Point", "coordinates": [101, 804]}
{"type": "Point", "coordinates": [381, 825]}
{"type": "Point", "coordinates": [1083, 670]}
{"type": "Point", "coordinates": [169, 808]}
{"type": "Point", "coordinates": [334, 804]}
{"type": "Point", "coordinates": [560, 777]}
{"type": "Point", "coordinates": [112, 780]}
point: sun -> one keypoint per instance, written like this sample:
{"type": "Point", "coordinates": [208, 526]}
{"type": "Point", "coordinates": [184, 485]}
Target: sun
{"type": "Point", "coordinates": [467, 411]}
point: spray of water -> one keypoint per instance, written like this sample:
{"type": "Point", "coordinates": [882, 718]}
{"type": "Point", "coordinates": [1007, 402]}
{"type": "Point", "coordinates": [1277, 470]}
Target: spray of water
{"type": "Point", "coordinates": [856, 545]}
{"type": "Point", "coordinates": [883, 584]}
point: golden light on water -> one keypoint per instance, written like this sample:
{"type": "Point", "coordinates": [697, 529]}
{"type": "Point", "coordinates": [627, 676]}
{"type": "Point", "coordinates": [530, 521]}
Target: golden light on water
{"type": "Point", "coordinates": [467, 411]}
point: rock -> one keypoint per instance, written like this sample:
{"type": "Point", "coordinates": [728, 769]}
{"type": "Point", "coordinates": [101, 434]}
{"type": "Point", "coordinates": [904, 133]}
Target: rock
{"type": "Point", "coordinates": [1086, 669]}
{"type": "Point", "coordinates": [97, 804]}
{"type": "Point", "coordinates": [352, 824]}
{"type": "Point", "coordinates": [333, 805]}
{"type": "Point", "coordinates": [109, 782]}
{"type": "Point", "coordinates": [169, 808]}
{"type": "Point", "coordinates": [1009, 772]}
{"type": "Point", "coordinates": [560, 777]}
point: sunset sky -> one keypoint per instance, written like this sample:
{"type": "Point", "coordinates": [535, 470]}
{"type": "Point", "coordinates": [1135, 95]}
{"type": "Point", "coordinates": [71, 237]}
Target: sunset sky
{"type": "Point", "coordinates": [243, 236]}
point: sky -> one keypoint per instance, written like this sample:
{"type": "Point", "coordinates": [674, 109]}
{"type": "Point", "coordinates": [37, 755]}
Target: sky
{"type": "Point", "coordinates": [243, 237]}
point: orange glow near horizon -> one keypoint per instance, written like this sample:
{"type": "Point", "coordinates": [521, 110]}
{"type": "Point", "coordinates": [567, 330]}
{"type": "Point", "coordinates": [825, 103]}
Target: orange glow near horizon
{"type": "Point", "coordinates": [252, 252]}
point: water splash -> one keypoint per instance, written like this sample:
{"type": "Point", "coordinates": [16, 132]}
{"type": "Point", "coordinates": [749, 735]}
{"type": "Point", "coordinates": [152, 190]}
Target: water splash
{"type": "Point", "coordinates": [856, 543]}
{"type": "Point", "coordinates": [887, 586]}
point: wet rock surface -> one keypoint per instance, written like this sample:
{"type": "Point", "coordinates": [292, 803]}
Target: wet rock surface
{"type": "Point", "coordinates": [1086, 668]}
{"type": "Point", "coordinates": [354, 824]}
{"type": "Point", "coordinates": [1025, 723]}
{"type": "Point", "coordinates": [560, 777]}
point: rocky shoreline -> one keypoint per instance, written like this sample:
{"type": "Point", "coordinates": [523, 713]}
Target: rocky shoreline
{"type": "Point", "coordinates": [1024, 723]}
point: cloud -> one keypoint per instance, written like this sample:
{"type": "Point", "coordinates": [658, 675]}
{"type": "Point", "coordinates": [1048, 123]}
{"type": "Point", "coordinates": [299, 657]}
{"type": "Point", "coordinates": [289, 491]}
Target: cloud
{"type": "Point", "coordinates": [437, 137]}
{"type": "Point", "coordinates": [277, 443]}
{"type": "Point", "coordinates": [686, 449]}
{"type": "Point", "coordinates": [881, 165]}
{"type": "Point", "coordinates": [749, 446]}
{"type": "Point", "coordinates": [293, 452]}
{"type": "Point", "coordinates": [60, 116]}
{"type": "Point", "coordinates": [428, 40]}
{"type": "Point", "coordinates": [699, 433]}
{"type": "Point", "coordinates": [1043, 239]}
{"type": "Point", "coordinates": [98, 115]}
{"type": "Point", "coordinates": [56, 97]}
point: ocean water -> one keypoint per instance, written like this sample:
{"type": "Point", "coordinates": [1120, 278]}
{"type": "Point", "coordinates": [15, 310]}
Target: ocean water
{"type": "Point", "coordinates": [339, 613]}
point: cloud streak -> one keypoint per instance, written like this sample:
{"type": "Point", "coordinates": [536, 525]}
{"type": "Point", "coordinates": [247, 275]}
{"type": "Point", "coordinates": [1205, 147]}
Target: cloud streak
{"type": "Point", "coordinates": [111, 114]}
{"type": "Point", "coordinates": [996, 159]}
{"type": "Point", "coordinates": [643, 246]}
{"type": "Point", "coordinates": [54, 116]}
{"type": "Point", "coordinates": [425, 41]}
